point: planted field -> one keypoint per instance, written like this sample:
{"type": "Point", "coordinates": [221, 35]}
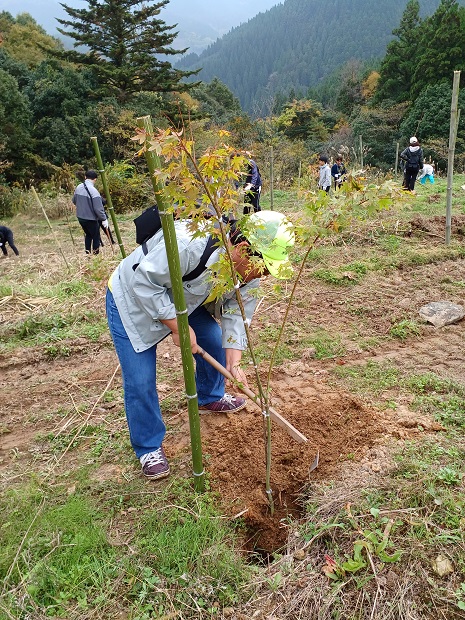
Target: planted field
{"type": "Point", "coordinates": [375, 531]}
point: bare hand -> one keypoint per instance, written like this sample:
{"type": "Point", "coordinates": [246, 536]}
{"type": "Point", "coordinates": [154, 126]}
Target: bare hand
{"type": "Point", "coordinates": [194, 345]}
{"type": "Point", "coordinates": [233, 361]}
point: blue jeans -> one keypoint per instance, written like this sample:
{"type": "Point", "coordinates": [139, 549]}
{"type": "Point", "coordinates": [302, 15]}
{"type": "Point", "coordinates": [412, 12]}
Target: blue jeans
{"type": "Point", "coordinates": [145, 422]}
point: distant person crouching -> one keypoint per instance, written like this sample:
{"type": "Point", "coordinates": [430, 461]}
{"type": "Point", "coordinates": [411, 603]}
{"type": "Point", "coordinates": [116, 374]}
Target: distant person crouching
{"type": "Point", "coordinates": [6, 236]}
{"type": "Point", "coordinates": [427, 172]}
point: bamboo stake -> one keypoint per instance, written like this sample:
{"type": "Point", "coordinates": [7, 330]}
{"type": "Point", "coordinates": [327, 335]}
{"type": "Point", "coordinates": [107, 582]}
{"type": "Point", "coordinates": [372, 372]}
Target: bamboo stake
{"type": "Point", "coordinates": [396, 169]}
{"type": "Point", "coordinates": [279, 419]}
{"type": "Point", "coordinates": [49, 225]}
{"type": "Point", "coordinates": [271, 177]}
{"type": "Point", "coordinates": [103, 176]}
{"type": "Point", "coordinates": [451, 153]}
{"type": "Point", "coordinates": [69, 228]}
{"type": "Point", "coordinates": [167, 222]}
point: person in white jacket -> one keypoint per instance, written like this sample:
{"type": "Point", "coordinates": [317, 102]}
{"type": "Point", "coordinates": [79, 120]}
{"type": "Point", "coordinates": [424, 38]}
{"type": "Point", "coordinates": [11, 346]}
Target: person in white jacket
{"type": "Point", "coordinates": [324, 181]}
{"type": "Point", "coordinates": [141, 313]}
{"type": "Point", "coordinates": [427, 172]}
{"type": "Point", "coordinates": [90, 212]}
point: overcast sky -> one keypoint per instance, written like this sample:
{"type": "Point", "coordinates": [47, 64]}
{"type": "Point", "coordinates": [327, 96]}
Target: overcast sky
{"type": "Point", "coordinates": [200, 22]}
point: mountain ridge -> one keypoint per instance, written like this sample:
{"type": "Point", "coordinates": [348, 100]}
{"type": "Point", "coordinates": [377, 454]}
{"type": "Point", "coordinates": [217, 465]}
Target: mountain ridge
{"type": "Point", "coordinates": [196, 29]}
{"type": "Point", "coordinates": [315, 38]}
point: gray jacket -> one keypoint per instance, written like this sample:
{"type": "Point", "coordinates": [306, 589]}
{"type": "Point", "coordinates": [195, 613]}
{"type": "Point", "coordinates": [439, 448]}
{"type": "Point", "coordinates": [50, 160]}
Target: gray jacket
{"type": "Point", "coordinates": [144, 295]}
{"type": "Point", "coordinates": [325, 176]}
{"type": "Point", "coordinates": [86, 208]}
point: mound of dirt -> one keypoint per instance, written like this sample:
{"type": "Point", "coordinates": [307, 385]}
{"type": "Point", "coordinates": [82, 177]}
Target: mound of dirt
{"type": "Point", "coordinates": [337, 426]}
{"type": "Point", "coordinates": [436, 225]}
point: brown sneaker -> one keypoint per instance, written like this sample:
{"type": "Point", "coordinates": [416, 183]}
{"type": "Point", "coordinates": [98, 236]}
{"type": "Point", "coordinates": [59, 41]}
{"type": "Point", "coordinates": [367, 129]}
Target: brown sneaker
{"type": "Point", "coordinates": [154, 464]}
{"type": "Point", "coordinates": [227, 404]}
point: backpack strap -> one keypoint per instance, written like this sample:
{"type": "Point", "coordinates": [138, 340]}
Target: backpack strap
{"type": "Point", "coordinates": [197, 271]}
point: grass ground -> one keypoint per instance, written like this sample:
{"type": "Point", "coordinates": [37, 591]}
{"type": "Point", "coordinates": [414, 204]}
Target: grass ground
{"type": "Point", "coordinates": [382, 536]}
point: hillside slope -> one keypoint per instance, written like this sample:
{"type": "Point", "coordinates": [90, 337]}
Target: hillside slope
{"type": "Point", "coordinates": [298, 43]}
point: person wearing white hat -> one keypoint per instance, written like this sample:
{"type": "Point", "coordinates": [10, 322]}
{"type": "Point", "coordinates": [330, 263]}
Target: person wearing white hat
{"type": "Point", "coordinates": [413, 157]}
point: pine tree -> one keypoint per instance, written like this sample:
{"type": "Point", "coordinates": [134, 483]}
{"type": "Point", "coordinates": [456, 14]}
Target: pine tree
{"type": "Point", "coordinates": [402, 54]}
{"type": "Point", "coordinates": [126, 41]}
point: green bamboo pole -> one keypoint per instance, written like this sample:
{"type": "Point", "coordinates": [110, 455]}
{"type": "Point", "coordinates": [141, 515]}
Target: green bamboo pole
{"type": "Point", "coordinates": [451, 152]}
{"type": "Point", "coordinates": [167, 222]}
{"type": "Point", "coordinates": [101, 169]}
{"type": "Point", "coordinates": [271, 177]}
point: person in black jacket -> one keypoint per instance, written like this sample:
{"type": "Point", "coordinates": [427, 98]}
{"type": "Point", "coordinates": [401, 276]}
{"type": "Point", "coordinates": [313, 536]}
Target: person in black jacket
{"type": "Point", "coordinates": [252, 187]}
{"type": "Point", "coordinates": [6, 236]}
{"type": "Point", "coordinates": [413, 157]}
{"type": "Point", "coordinates": [338, 170]}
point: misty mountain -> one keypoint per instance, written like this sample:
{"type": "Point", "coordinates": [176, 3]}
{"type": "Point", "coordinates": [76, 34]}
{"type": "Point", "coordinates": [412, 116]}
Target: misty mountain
{"type": "Point", "coordinates": [296, 44]}
{"type": "Point", "coordinates": [199, 23]}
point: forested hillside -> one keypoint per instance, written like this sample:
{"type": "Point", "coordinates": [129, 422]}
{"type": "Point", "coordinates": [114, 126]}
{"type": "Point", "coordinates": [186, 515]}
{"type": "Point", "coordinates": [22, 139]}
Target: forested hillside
{"type": "Point", "coordinates": [297, 44]}
{"type": "Point", "coordinates": [52, 99]}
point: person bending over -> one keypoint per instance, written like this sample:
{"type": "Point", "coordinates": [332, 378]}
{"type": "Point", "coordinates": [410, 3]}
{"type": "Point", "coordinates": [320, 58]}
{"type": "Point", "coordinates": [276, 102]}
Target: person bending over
{"type": "Point", "coordinates": [6, 236]}
{"type": "Point", "coordinates": [141, 313]}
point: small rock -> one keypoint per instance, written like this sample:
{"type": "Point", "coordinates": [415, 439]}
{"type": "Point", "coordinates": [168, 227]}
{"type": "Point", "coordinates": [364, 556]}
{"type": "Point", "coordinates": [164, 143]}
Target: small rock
{"type": "Point", "coordinates": [299, 554]}
{"type": "Point", "coordinates": [309, 354]}
{"type": "Point", "coordinates": [441, 313]}
{"type": "Point", "coordinates": [376, 467]}
{"type": "Point", "coordinates": [442, 566]}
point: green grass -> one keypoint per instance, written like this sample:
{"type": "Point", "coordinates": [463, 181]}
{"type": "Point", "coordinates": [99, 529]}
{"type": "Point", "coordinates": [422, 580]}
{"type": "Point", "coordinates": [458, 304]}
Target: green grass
{"type": "Point", "coordinates": [345, 274]}
{"type": "Point", "coordinates": [443, 399]}
{"type": "Point", "coordinates": [405, 329]}
{"type": "Point", "coordinates": [57, 556]}
{"type": "Point", "coordinates": [51, 328]}
{"type": "Point", "coordinates": [369, 378]}
{"type": "Point", "coordinates": [64, 560]}
{"type": "Point", "coordinates": [326, 346]}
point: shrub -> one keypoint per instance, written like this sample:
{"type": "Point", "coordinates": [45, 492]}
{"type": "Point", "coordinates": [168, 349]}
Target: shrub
{"type": "Point", "coordinates": [12, 201]}
{"type": "Point", "coordinates": [130, 191]}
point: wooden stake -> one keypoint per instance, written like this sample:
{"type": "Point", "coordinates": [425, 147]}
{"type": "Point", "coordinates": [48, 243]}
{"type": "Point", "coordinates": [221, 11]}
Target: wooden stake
{"type": "Point", "coordinates": [451, 153]}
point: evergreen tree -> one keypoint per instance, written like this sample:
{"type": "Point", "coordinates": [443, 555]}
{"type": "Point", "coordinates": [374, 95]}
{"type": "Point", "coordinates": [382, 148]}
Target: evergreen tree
{"type": "Point", "coordinates": [402, 55]}
{"type": "Point", "coordinates": [216, 101]}
{"type": "Point", "coordinates": [15, 122]}
{"type": "Point", "coordinates": [442, 46]}
{"type": "Point", "coordinates": [429, 116]}
{"type": "Point", "coordinates": [125, 40]}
